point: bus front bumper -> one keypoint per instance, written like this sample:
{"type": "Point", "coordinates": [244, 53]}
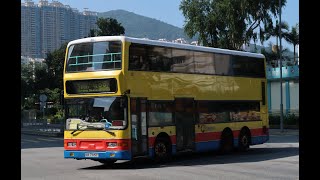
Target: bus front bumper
{"type": "Point", "coordinates": [96, 155]}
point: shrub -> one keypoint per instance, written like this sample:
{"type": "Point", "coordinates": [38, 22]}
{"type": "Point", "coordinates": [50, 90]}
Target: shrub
{"type": "Point", "coordinates": [288, 119]}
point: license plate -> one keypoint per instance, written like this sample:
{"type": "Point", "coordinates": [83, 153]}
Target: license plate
{"type": "Point", "coordinates": [91, 155]}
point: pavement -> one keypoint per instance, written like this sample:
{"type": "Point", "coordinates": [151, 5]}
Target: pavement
{"type": "Point", "coordinates": [44, 132]}
{"type": "Point", "coordinates": [54, 133]}
{"type": "Point", "coordinates": [284, 132]}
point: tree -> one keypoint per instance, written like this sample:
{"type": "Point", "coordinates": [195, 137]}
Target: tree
{"type": "Point", "coordinates": [55, 63]}
{"type": "Point", "coordinates": [33, 75]}
{"type": "Point", "coordinates": [228, 23]}
{"type": "Point", "coordinates": [92, 33]}
{"type": "Point", "coordinates": [108, 27]}
{"type": "Point", "coordinates": [274, 31]}
{"type": "Point", "coordinates": [41, 79]}
{"type": "Point", "coordinates": [293, 38]}
{"type": "Point", "coordinates": [272, 57]}
{"type": "Point", "coordinates": [27, 81]}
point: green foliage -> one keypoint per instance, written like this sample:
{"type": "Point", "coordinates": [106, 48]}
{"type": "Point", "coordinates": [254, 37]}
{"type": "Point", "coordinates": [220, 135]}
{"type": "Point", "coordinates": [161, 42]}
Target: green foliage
{"type": "Point", "coordinates": [291, 119]}
{"type": "Point", "coordinates": [109, 27]}
{"type": "Point", "coordinates": [288, 119]}
{"type": "Point", "coordinates": [228, 23]}
{"type": "Point", "coordinates": [293, 38]}
{"type": "Point", "coordinates": [43, 78]}
{"type": "Point", "coordinates": [54, 113]}
{"type": "Point", "coordinates": [29, 102]}
{"type": "Point", "coordinates": [274, 31]}
{"type": "Point", "coordinates": [53, 95]}
{"type": "Point", "coordinates": [271, 56]}
{"type": "Point", "coordinates": [92, 33]}
{"type": "Point", "coordinates": [55, 64]}
{"type": "Point", "coordinates": [29, 83]}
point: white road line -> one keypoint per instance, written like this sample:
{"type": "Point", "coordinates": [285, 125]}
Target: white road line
{"type": "Point", "coordinates": [29, 140]}
{"type": "Point", "coordinates": [43, 139]}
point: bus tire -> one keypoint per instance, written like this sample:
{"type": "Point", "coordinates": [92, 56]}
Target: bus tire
{"type": "Point", "coordinates": [226, 142]}
{"type": "Point", "coordinates": [244, 140]}
{"type": "Point", "coordinates": [162, 150]}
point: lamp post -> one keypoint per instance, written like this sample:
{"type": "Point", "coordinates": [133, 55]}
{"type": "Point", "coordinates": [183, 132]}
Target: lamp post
{"type": "Point", "coordinates": [280, 56]}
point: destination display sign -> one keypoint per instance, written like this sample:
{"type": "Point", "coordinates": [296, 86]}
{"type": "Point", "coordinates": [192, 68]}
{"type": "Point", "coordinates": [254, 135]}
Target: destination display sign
{"type": "Point", "coordinates": [91, 86]}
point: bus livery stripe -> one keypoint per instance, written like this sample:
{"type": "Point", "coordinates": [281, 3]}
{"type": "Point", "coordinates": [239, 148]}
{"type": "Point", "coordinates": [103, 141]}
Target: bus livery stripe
{"type": "Point", "coordinates": [98, 144]}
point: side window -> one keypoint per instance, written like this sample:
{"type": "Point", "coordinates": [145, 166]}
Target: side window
{"type": "Point", "coordinates": [217, 112]}
{"type": "Point", "coordinates": [160, 113]}
{"type": "Point", "coordinates": [245, 111]}
{"type": "Point", "coordinates": [248, 66]}
{"type": "Point", "coordinates": [222, 64]}
{"type": "Point", "coordinates": [212, 112]}
{"type": "Point", "coordinates": [182, 61]}
{"type": "Point", "coordinates": [159, 58]}
{"type": "Point", "coordinates": [137, 57]}
{"type": "Point", "coordinates": [204, 63]}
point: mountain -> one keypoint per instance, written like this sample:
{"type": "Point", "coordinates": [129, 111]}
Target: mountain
{"type": "Point", "coordinates": [144, 27]}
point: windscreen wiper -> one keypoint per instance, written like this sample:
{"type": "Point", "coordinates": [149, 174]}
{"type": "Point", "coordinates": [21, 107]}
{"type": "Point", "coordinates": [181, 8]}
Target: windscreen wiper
{"type": "Point", "coordinates": [78, 129]}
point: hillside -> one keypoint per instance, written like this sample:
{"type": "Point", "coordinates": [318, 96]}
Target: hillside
{"type": "Point", "coordinates": [144, 27]}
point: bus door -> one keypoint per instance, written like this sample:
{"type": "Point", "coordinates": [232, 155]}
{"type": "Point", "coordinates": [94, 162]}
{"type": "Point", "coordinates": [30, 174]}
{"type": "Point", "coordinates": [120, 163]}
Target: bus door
{"type": "Point", "coordinates": [138, 127]}
{"type": "Point", "coordinates": [184, 119]}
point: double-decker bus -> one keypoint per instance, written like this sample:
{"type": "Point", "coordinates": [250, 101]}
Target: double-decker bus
{"type": "Point", "coordinates": [126, 97]}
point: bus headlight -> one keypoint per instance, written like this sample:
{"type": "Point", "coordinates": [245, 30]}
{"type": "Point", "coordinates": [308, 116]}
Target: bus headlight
{"type": "Point", "coordinates": [112, 144]}
{"type": "Point", "coordinates": [72, 144]}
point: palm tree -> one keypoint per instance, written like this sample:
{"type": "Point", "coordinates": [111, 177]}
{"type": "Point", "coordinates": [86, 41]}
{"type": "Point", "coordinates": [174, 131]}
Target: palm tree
{"type": "Point", "coordinates": [272, 57]}
{"type": "Point", "coordinates": [292, 37]}
{"type": "Point", "coordinates": [274, 31]}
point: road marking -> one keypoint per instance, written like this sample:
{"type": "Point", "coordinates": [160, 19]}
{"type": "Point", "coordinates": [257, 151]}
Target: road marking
{"type": "Point", "coordinates": [57, 138]}
{"type": "Point", "coordinates": [43, 139]}
{"type": "Point", "coordinates": [277, 135]}
{"type": "Point", "coordinates": [29, 140]}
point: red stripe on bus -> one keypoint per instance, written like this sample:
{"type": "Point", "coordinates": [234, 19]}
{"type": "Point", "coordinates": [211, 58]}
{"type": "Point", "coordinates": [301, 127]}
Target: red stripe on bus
{"type": "Point", "coordinates": [209, 136]}
{"type": "Point", "coordinates": [236, 133]}
{"type": "Point", "coordinates": [151, 141]}
{"type": "Point", "coordinates": [98, 144]}
{"type": "Point", "coordinates": [212, 136]}
{"type": "Point", "coordinates": [256, 132]}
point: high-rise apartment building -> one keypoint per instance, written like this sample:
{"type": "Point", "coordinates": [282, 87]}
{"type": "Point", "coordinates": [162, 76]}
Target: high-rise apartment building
{"type": "Point", "coordinates": [47, 25]}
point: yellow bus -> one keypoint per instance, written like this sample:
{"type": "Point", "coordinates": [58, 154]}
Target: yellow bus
{"type": "Point", "coordinates": [127, 97]}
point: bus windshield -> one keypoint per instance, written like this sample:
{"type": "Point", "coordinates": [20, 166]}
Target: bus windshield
{"type": "Point", "coordinates": [94, 56]}
{"type": "Point", "coordinates": [101, 109]}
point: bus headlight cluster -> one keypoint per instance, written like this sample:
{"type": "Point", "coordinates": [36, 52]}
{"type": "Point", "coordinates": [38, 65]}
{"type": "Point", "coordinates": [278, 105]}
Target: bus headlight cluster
{"type": "Point", "coordinates": [112, 144]}
{"type": "Point", "coordinates": [72, 144]}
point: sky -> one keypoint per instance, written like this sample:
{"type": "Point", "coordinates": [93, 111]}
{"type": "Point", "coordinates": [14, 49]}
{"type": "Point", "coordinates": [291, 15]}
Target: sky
{"type": "Point", "coordinates": [167, 10]}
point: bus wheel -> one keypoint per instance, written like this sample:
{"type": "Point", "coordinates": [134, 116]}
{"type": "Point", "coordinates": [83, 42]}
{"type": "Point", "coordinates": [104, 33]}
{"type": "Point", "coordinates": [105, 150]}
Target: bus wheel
{"type": "Point", "coordinates": [226, 142]}
{"type": "Point", "coordinates": [244, 140]}
{"type": "Point", "coordinates": [107, 162]}
{"type": "Point", "coordinates": [162, 150]}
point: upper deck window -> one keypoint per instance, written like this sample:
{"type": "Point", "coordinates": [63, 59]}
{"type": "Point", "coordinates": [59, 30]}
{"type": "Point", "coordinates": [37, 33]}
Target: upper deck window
{"type": "Point", "coordinates": [94, 56]}
{"type": "Point", "coordinates": [146, 57]}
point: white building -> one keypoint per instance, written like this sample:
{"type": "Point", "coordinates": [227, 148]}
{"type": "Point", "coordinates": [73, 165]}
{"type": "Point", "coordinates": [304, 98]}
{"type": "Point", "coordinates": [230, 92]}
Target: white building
{"type": "Point", "coordinates": [47, 25]}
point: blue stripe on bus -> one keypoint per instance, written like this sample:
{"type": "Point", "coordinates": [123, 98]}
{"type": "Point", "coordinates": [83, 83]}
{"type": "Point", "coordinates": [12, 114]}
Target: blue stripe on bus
{"type": "Point", "coordinates": [120, 155]}
{"type": "Point", "coordinates": [214, 145]}
{"type": "Point", "coordinates": [206, 146]}
{"type": "Point", "coordinates": [259, 139]}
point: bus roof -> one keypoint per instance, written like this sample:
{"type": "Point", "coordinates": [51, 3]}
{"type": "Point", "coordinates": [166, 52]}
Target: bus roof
{"type": "Point", "coordinates": [165, 44]}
